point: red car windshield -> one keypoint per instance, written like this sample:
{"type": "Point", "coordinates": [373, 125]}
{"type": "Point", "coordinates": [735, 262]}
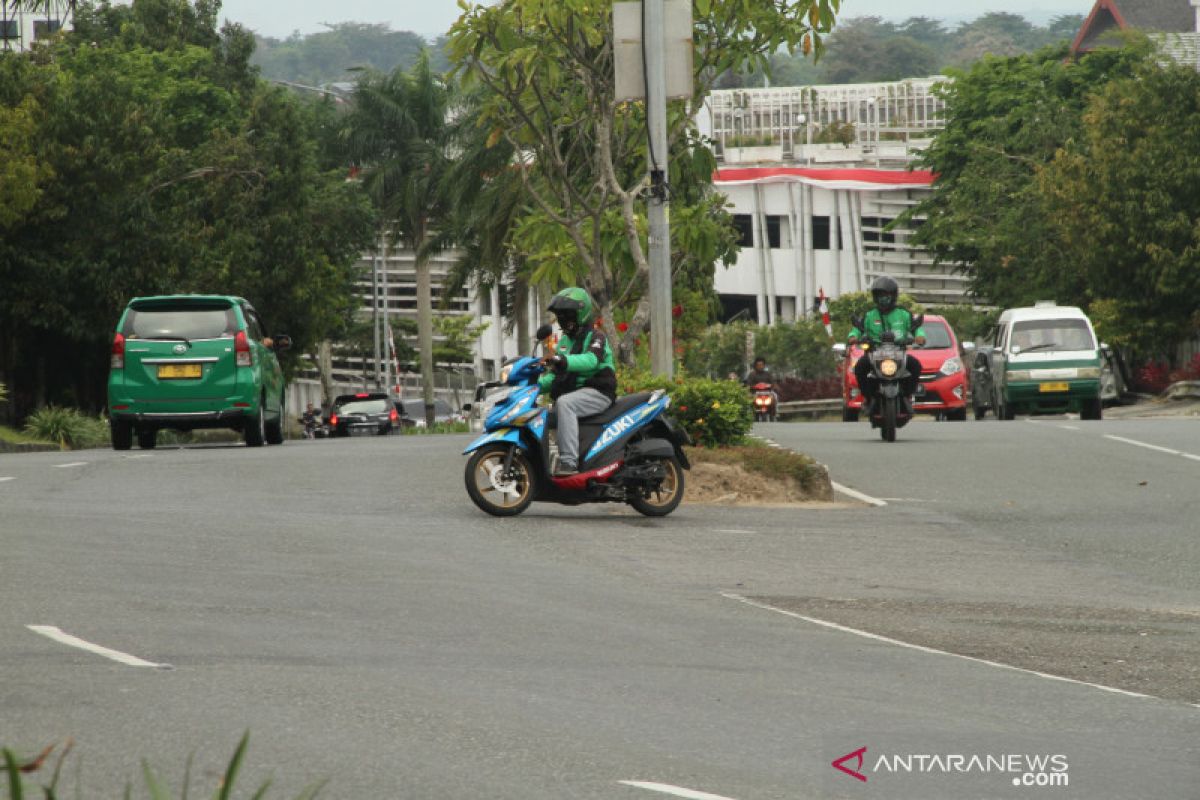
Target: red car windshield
{"type": "Point", "coordinates": [937, 336]}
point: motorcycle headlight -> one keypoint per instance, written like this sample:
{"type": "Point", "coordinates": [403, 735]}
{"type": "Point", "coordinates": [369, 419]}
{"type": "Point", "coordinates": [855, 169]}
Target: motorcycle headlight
{"type": "Point", "coordinates": [951, 366]}
{"type": "Point", "coordinates": [505, 372]}
{"type": "Point", "coordinates": [887, 367]}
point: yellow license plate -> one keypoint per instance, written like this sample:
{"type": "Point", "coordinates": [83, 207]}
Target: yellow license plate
{"type": "Point", "coordinates": [175, 371]}
{"type": "Point", "coordinates": [1059, 386]}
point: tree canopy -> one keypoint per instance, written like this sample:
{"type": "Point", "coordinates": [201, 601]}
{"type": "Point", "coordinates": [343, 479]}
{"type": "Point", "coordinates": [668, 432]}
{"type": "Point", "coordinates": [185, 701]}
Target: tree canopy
{"type": "Point", "coordinates": [163, 164]}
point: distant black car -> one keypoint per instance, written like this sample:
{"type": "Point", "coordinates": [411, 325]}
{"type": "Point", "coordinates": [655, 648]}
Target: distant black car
{"type": "Point", "coordinates": [365, 413]}
{"type": "Point", "coordinates": [412, 412]}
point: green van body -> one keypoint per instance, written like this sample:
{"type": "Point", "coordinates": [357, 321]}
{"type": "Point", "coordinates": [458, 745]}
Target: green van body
{"type": "Point", "coordinates": [178, 369]}
{"type": "Point", "coordinates": [1034, 373]}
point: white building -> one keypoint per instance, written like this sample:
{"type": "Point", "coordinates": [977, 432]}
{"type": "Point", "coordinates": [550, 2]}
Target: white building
{"type": "Point", "coordinates": [815, 174]}
{"type": "Point", "coordinates": [20, 29]}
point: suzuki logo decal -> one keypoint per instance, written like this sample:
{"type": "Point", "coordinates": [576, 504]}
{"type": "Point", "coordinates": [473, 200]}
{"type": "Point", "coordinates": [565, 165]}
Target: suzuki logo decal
{"type": "Point", "coordinates": [180, 349]}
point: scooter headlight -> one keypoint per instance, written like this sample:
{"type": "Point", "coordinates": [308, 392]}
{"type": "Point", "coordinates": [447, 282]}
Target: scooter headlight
{"type": "Point", "coordinates": [505, 372]}
{"type": "Point", "coordinates": [888, 367]}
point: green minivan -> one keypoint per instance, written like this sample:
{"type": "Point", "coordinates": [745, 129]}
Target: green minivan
{"type": "Point", "coordinates": [184, 362]}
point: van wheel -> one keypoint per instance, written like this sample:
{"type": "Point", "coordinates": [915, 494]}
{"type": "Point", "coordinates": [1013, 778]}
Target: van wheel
{"type": "Point", "coordinates": [255, 432]}
{"type": "Point", "coordinates": [274, 430]}
{"type": "Point", "coordinates": [147, 439]}
{"type": "Point", "coordinates": [849, 414]}
{"type": "Point", "coordinates": [122, 435]}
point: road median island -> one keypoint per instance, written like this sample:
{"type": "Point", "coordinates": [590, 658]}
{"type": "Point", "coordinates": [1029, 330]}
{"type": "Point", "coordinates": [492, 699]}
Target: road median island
{"type": "Point", "coordinates": [755, 475]}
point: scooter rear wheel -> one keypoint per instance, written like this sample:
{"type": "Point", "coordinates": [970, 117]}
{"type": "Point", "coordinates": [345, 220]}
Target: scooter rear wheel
{"type": "Point", "coordinates": [494, 492]}
{"type": "Point", "coordinates": [669, 494]}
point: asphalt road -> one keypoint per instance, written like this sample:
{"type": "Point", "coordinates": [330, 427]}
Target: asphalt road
{"type": "Point", "coordinates": [345, 603]}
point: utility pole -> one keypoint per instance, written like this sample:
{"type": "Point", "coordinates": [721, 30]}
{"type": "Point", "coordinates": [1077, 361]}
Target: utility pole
{"type": "Point", "coordinates": [662, 360]}
{"type": "Point", "coordinates": [375, 306]}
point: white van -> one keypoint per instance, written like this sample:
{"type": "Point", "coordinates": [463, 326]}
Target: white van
{"type": "Point", "coordinates": [1044, 360]}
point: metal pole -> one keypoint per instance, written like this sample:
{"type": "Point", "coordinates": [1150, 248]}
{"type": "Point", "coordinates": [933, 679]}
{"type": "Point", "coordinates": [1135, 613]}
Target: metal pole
{"type": "Point", "coordinates": [375, 305]}
{"type": "Point", "coordinates": [653, 48]}
{"type": "Point", "coordinates": [387, 324]}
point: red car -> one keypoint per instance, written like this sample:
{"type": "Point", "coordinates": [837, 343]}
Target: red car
{"type": "Point", "coordinates": [942, 390]}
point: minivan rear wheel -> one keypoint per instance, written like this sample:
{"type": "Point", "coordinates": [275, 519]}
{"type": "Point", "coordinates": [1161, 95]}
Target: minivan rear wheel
{"type": "Point", "coordinates": [255, 433]}
{"type": "Point", "coordinates": [122, 435]}
{"type": "Point", "coordinates": [147, 438]}
{"type": "Point", "coordinates": [274, 430]}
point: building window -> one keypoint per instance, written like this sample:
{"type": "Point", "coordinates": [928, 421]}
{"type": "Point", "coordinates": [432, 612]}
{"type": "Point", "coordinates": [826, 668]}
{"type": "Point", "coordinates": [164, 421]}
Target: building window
{"type": "Point", "coordinates": [745, 229]}
{"type": "Point", "coordinates": [485, 302]}
{"type": "Point", "coordinates": [873, 234]}
{"type": "Point", "coordinates": [9, 29]}
{"type": "Point", "coordinates": [489, 369]}
{"type": "Point", "coordinates": [44, 27]}
{"type": "Point", "coordinates": [774, 231]}
{"type": "Point", "coordinates": [820, 233]}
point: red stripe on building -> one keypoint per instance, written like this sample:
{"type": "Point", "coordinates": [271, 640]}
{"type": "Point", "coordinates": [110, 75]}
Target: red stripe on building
{"type": "Point", "coordinates": [865, 177]}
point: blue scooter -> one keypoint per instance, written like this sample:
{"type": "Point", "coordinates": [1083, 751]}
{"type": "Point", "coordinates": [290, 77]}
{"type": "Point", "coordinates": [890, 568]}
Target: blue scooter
{"type": "Point", "coordinates": [633, 451]}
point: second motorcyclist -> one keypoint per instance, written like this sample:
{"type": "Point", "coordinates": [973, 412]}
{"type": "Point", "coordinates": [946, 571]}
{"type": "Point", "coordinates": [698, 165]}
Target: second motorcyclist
{"type": "Point", "coordinates": [580, 376]}
{"type": "Point", "coordinates": [887, 316]}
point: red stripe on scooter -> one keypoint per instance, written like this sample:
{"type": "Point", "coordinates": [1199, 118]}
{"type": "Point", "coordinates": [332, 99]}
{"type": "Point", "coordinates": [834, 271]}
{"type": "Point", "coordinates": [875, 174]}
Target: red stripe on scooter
{"type": "Point", "coordinates": [575, 483]}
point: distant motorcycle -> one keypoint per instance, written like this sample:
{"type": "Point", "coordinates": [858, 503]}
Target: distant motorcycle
{"type": "Point", "coordinates": [764, 402]}
{"type": "Point", "coordinates": [314, 428]}
{"type": "Point", "coordinates": [633, 451]}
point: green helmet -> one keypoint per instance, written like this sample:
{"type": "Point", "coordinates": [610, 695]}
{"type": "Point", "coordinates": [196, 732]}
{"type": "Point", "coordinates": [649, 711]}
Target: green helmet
{"type": "Point", "coordinates": [573, 302]}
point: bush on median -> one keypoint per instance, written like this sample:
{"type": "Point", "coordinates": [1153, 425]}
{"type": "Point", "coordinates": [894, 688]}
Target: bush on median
{"type": "Point", "coordinates": [67, 427]}
{"type": "Point", "coordinates": [714, 413]}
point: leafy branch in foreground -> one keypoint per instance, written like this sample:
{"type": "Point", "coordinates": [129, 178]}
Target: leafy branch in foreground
{"type": "Point", "coordinates": [16, 768]}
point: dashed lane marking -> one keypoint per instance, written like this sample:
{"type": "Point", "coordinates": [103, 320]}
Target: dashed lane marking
{"type": "Point", "coordinates": [2, 480]}
{"type": "Point", "coordinates": [58, 635]}
{"type": "Point", "coordinates": [72, 464]}
{"type": "Point", "coordinates": [674, 791]}
{"type": "Point", "coordinates": [857, 495]}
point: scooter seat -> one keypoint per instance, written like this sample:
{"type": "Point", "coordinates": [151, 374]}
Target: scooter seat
{"type": "Point", "coordinates": [621, 406]}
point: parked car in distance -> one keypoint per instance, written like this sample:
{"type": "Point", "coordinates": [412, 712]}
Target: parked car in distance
{"type": "Point", "coordinates": [942, 387]}
{"type": "Point", "coordinates": [363, 413]}
{"type": "Point", "coordinates": [184, 362]}
{"type": "Point", "coordinates": [412, 412]}
{"type": "Point", "coordinates": [1042, 359]}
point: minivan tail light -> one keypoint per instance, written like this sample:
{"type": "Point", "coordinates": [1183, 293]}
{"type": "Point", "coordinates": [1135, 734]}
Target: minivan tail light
{"type": "Point", "coordinates": [241, 347]}
{"type": "Point", "coordinates": [118, 352]}
{"type": "Point", "coordinates": [333, 420]}
{"type": "Point", "coordinates": [393, 416]}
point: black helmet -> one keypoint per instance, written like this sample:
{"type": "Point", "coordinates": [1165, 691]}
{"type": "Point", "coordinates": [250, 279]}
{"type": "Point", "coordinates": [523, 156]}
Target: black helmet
{"type": "Point", "coordinates": [885, 292]}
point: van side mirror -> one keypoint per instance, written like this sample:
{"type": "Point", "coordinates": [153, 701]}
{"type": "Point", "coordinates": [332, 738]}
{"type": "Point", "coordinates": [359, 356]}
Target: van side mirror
{"type": "Point", "coordinates": [857, 321]}
{"type": "Point", "coordinates": [918, 321]}
{"type": "Point", "coordinates": [543, 332]}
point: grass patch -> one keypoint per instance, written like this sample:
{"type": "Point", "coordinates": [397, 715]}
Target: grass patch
{"type": "Point", "coordinates": [769, 462]}
{"type": "Point", "coordinates": [69, 428]}
{"type": "Point", "coordinates": [441, 427]}
{"type": "Point", "coordinates": [12, 436]}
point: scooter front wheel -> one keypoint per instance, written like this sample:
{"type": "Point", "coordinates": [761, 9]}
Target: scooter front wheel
{"type": "Point", "coordinates": [887, 431]}
{"type": "Point", "coordinates": [499, 492]}
{"type": "Point", "coordinates": [667, 496]}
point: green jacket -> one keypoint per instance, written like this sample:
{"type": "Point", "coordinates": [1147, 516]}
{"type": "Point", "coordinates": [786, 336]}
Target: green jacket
{"type": "Point", "coordinates": [589, 363]}
{"type": "Point", "coordinates": [898, 320]}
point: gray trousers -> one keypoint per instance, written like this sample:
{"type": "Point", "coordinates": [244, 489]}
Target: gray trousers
{"type": "Point", "coordinates": [569, 408]}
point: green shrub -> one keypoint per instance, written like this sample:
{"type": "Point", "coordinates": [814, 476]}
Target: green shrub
{"type": "Point", "coordinates": [67, 427]}
{"type": "Point", "coordinates": [714, 413]}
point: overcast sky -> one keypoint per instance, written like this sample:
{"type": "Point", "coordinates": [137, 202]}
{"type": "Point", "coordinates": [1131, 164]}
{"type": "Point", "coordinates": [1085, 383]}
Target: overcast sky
{"type": "Point", "coordinates": [430, 18]}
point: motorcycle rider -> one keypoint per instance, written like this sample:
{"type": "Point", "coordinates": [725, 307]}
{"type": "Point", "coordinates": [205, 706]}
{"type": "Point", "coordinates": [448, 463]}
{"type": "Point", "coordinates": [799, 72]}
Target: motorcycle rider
{"type": "Point", "coordinates": [581, 378]}
{"type": "Point", "coordinates": [887, 316]}
{"type": "Point", "coordinates": [760, 373]}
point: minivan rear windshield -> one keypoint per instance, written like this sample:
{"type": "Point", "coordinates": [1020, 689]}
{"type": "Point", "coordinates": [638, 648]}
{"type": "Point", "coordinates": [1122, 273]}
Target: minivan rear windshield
{"type": "Point", "coordinates": [180, 322]}
{"type": "Point", "coordinates": [364, 407]}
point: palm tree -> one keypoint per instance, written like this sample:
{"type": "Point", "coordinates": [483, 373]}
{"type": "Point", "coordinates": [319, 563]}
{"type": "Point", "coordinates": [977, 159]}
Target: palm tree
{"type": "Point", "coordinates": [397, 133]}
{"type": "Point", "coordinates": [487, 196]}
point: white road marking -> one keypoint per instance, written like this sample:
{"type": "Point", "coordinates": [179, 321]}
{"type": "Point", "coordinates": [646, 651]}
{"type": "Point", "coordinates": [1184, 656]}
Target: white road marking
{"type": "Point", "coordinates": [72, 464]}
{"type": "Point", "coordinates": [2, 480]}
{"type": "Point", "coordinates": [1069, 427]}
{"type": "Point", "coordinates": [857, 495]}
{"type": "Point", "coordinates": [906, 500]}
{"type": "Point", "coordinates": [141, 455]}
{"type": "Point", "coordinates": [675, 791]}
{"type": "Point", "coordinates": [52, 632]}
{"type": "Point", "coordinates": [1167, 450]}
{"type": "Point", "coordinates": [730, 530]}
{"type": "Point", "coordinates": [932, 650]}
